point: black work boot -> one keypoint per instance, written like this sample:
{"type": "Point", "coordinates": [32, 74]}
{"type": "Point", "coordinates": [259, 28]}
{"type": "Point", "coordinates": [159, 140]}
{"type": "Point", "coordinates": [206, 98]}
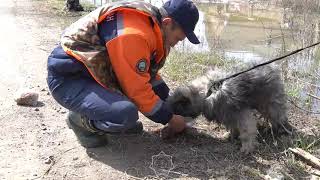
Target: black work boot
{"type": "Point", "coordinates": [86, 133]}
{"type": "Point", "coordinates": [138, 128]}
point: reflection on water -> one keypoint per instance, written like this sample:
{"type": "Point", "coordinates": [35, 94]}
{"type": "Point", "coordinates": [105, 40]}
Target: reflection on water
{"type": "Point", "coordinates": [244, 56]}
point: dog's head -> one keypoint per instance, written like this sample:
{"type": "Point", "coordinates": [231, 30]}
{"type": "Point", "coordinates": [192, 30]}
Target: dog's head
{"type": "Point", "coordinates": [186, 101]}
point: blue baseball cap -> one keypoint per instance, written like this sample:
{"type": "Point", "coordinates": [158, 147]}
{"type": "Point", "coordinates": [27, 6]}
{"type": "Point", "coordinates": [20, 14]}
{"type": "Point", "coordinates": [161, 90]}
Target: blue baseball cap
{"type": "Point", "coordinates": [186, 14]}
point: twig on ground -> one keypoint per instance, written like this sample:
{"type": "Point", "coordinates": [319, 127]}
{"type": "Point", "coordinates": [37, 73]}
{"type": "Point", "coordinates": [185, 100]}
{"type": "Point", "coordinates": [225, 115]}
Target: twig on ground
{"type": "Point", "coordinates": [182, 174]}
{"type": "Point", "coordinates": [313, 143]}
{"type": "Point", "coordinates": [312, 160]}
{"type": "Point", "coordinates": [264, 141]}
{"type": "Point", "coordinates": [287, 175]}
{"type": "Point", "coordinates": [315, 172]}
{"type": "Point", "coordinates": [272, 135]}
{"type": "Point", "coordinates": [132, 177]}
{"type": "Point", "coordinates": [311, 112]}
{"type": "Point", "coordinates": [53, 162]}
{"type": "Point", "coordinates": [314, 85]}
{"type": "Point", "coordinates": [313, 96]}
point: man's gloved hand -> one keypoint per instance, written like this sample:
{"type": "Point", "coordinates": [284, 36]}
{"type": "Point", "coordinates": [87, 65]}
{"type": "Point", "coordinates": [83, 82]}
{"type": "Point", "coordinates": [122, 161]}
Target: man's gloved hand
{"type": "Point", "coordinates": [176, 125]}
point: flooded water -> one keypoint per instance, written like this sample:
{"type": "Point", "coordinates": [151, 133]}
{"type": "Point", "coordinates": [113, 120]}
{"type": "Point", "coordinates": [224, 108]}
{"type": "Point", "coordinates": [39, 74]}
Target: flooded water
{"type": "Point", "coordinates": [244, 34]}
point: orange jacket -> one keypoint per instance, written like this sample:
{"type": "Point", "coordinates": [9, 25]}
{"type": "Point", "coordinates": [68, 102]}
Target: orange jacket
{"type": "Point", "coordinates": [130, 54]}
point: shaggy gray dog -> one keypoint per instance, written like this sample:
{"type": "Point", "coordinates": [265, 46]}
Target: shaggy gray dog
{"type": "Point", "coordinates": [234, 102]}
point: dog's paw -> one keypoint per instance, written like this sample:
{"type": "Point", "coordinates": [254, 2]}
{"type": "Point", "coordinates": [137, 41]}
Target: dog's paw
{"type": "Point", "coordinates": [246, 149]}
{"type": "Point", "coordinates": [248, 146]}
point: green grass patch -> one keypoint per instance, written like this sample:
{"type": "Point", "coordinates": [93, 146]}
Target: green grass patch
{"type": "Point", "coordinates": [88, 7]}
{"type": "Point", "coordinates": [57, 7]}
{"type": "Point", "coordinates": [293, 90]}
{"type": "Point", "coordinates": [183, 67]}
{"type": "Point", "coordinates": [307, 142]}
{"type": "Point", "coordinates": [56, 4]}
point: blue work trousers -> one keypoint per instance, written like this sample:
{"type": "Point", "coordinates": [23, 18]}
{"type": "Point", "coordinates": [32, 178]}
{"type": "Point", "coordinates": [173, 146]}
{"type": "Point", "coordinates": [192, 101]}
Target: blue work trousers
{"type": "Point", "coordinates": [72, 87]}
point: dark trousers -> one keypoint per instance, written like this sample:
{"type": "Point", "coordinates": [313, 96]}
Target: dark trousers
{"type": "Point", "coordinates": [72, 87]}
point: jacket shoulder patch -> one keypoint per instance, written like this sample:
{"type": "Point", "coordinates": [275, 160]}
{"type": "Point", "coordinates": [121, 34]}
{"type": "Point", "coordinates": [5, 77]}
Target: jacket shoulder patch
{"type": "Point", "coordinates": [141, 66]}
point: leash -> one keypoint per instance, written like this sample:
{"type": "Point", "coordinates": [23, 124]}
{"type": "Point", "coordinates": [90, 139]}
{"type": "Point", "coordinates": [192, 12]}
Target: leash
{"type": "Point", "coordinates": [217, 84]}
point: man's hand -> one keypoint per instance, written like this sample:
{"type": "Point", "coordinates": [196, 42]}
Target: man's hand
{"type": "Point", "coordinates": [176, 125]}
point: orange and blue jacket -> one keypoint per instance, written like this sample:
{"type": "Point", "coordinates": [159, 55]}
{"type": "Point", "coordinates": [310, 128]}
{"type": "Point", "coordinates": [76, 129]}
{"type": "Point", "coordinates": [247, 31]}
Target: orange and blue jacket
{"type": "Point", "coordinates": [122, 47]}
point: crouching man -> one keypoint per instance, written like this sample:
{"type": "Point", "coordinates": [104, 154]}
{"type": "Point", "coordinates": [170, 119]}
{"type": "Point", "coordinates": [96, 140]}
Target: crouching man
{"type": "Point", "coordinates": [105, 69]}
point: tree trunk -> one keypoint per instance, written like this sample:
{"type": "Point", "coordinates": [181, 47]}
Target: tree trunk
{"type": "Point", "coordinates": [73, 5]}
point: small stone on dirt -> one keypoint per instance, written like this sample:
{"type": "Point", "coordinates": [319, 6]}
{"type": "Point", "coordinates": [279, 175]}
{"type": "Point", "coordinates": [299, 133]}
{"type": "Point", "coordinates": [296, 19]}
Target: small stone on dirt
{"type": "Point", "coordinates": [49, 160]}
{"type": "Point", "coordinates": [26, 97]}
{"type": "Point", "coordinates": [36, 109]}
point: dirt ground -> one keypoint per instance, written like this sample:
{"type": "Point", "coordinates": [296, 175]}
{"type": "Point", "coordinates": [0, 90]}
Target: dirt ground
{"type": "Point", "coordinates": [35, 142]}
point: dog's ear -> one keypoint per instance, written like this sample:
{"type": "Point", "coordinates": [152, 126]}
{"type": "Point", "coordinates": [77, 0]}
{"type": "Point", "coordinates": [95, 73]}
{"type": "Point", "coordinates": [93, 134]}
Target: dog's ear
{"type": "Point", "coordinates": [180, 94]}
{"type": "Point", "coordinates": [181, 105]}
{"type": "Point", "coordinates": [180, 100]}
{"type": "Point", "coordinates": [179, 97]}
{"type": "Point", "coordinates": [183, 101]}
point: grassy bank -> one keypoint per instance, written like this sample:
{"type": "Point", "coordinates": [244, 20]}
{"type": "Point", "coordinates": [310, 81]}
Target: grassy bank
{"type": "Point", "coordinates": [57, 7]}
{"type": "Point", "coordinates": [183, 67]}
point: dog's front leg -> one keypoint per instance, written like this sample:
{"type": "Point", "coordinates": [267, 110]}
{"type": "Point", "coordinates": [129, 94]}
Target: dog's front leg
{"type": "Point", "coordinates": [248, 131]}
{"type": "Point", "coordinates": [234, 134]}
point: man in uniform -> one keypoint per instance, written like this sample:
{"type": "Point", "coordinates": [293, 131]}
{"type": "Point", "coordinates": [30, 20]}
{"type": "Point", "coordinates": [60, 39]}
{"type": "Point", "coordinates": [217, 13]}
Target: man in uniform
{"type": "Point", "coordinates": [105, 69]}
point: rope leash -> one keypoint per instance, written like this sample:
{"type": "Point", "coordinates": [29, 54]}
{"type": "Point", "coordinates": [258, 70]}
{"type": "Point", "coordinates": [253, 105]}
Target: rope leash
{"type": "Point", "coordinates": [217, 84]}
